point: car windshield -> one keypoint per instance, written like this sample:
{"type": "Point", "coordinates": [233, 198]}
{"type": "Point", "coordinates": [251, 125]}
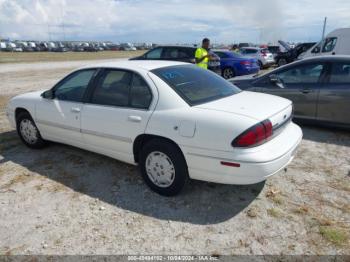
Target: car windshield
{"type": "Point", "coordinates": [196, 85]}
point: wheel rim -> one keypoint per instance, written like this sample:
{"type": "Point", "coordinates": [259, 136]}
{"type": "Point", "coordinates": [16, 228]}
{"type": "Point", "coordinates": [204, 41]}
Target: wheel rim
{"type": "Point", "coordinates": [28, 131]}
{"type": "Point", "coordinates": [228, 73]}
{"type": "Point", "coordinates": [160, 169]}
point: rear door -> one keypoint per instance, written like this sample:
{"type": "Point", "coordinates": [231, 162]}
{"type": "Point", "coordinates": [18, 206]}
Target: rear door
{"type": "Point", "coordinates": [334, 98]}
{"type": "Point", "coordinates": [301, 84]}
{"type": "Point", "coordinates": [117, 111]}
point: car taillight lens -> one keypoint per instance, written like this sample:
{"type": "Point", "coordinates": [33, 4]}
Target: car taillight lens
{"type": "Point", "coordinates": [245, 63]}
{"type": "Point", "coordinates": [255, 135]}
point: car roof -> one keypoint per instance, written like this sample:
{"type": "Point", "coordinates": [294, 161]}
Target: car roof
{"type": "Point", "coordinates": [252, 47]}
{"type": "Point", "coordinates": [135, 64]}
{"type": "Point", "coordinates": [326, 58]}
{"type": "Point", "coordinates": [181, 46]}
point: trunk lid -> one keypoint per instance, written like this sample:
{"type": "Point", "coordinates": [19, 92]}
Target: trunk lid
{"type": "Point", "coordinates": [256, 106]}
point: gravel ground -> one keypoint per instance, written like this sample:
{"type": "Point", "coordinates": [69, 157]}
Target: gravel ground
{"type": "Point", "coordinates": [63, 200]}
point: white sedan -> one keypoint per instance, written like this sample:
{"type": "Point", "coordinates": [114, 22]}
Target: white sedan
{"type": "Point", "coordinates": [175, 120]}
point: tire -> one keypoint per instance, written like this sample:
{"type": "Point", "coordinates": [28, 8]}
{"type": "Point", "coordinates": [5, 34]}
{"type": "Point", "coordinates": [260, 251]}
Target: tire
{"type": "Point", "coordinates": [260, 64]}
{"type": "Point", "coordinates": [163, 167]}
{"type": "Point", "coordinates": [281, 62]}
{"type": "Point", "coordinates": [228, 73]}
{"type": "Point", "coordinates": [28, 131]}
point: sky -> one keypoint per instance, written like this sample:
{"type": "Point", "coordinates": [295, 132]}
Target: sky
{"type": "Point", "coordinates": [171, 21]}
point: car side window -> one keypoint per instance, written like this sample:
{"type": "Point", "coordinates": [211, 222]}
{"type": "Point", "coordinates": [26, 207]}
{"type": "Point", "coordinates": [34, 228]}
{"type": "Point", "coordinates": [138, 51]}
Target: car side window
{"type": "Point", "coordinates": [340, 73]}
{"type": "Point", "coordinates": [251, 51]}
{"type": "Point", "coordinates": [113, 88]}
{"type": "Point", "coordinates": [329, 44]}
{"type": "Point", "coordinates": [171, 53]}
{"type": "Point", "coordinates": [302, 74]}
{"type": "Point", "coordinates": [140, 94]}
{"type": "Point", "coordinates": [221, 54]}
{"type": "Point", "coordinates": [74, 86]}
{"type": "Point", "coordinates": [155, 53]}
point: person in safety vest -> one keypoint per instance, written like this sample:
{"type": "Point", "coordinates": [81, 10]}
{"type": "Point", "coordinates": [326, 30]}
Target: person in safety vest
{"type": "Point", "coordinates": [202, 54]}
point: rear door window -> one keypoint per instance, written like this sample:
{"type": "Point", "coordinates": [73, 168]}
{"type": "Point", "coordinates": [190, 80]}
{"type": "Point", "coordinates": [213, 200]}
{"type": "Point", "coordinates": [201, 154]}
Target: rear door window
{"type": "Point", "coordinates": [140, 94]}
{"type": "Point", "coordinates": [340, 73]}
{"type": "Point", "coordinates": [113, 88]}
{"type": "Point", "coordinates": [170, 53]}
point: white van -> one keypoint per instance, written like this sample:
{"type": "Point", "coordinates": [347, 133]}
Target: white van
{"type": "Point", "coordinates": [336, 42]}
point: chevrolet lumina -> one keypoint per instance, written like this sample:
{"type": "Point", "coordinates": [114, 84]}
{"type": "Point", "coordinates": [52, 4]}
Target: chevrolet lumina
{"type": "Point", "coordinates": [175, 120]}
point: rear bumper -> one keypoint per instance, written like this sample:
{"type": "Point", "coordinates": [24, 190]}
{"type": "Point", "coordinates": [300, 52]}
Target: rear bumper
{"type": "Point", "coordinates": [256, 164]}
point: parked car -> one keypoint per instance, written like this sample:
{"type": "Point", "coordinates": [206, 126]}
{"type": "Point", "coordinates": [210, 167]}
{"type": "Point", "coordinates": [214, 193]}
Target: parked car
{"type": "Point", "coordinates": [240, 45]}
{"type": "Point", "coordinates": [78, 49]}
{"type": "Point", "coordinates": [175, 120]}
{"type": "Point", "coordinates": [233, 64]}
{"type": "Point", "coordinates": [179, 53]}
{"type": "Point", "coordinates": [319, 88]}
{"type": "Point", "coordinates": [60, 49]}
{"type": "Point", "coordinates": [335, 43]}
{"type": "Point", "coordinates": [264, 57]}
{"type": "Point", "coordinates": [291, 54]}
{"type": "Point", "coordinates": [274, 50]}
{"type": "Point", "coordinates": [90, 49]}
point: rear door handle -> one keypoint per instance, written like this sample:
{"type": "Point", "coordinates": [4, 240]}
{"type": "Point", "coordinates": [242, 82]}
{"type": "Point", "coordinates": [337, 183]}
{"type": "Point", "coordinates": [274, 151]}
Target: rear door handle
{"type": "Point", "coordinates": [306, 91]}
{"type": "Point", "coordinates": [134, 118]}
{"type": "Point", "coordinates": [75, 109]}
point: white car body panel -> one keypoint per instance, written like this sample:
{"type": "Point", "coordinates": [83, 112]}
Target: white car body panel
{"type": "Point", "coordinates": [204, 132]}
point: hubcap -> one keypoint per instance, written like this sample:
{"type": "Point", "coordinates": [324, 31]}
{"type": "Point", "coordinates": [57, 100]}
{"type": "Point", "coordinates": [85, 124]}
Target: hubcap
{"type": "Point", "coordinates": [28, 131]}
{"type": "Point", "coordinates": [160, 169]}
{"type": "Point", "coordinates": [228, 73]}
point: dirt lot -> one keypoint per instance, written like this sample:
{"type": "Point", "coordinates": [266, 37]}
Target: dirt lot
{"type": "Point", "coordinates": [63, 200]}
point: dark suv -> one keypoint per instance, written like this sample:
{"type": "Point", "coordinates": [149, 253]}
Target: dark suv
{"type": "Point", "coordinates": [178, 53]}
{"type": "Point", "coordinates": [291, 54]}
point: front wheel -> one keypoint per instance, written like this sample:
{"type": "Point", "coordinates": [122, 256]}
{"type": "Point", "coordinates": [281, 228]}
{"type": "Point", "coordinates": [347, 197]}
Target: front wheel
{"type": "Point", "coordinates": [28, 131]}
{"type": "Point", "coordinates": [163, 167]}
{"type": "Point", "coordinates": [228, 73]}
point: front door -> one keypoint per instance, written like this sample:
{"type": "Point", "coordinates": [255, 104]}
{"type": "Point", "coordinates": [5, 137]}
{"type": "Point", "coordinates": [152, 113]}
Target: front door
{"type": "Point", "coordinates": [300, 84]}
{"type": "Point", "coordinates": [58, 119]}
{"type": "Point", "coordinates": [117, 112]}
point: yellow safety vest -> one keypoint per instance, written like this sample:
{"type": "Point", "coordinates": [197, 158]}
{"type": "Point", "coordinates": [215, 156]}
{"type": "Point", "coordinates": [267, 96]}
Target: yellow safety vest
{"type": "Point", "coordinates": [200, 52]}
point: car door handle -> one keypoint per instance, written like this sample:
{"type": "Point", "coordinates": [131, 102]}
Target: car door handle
{"type": "Point", "coordinates": [75, 109]}
{"type": "Point", "coordinates": [134, 118]}
{"type": "Point", "coordinates": [306, 91]}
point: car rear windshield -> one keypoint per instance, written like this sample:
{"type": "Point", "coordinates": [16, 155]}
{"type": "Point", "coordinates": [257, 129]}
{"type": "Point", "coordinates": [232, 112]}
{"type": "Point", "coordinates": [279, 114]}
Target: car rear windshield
{"type": "Point", "coordinates": [196, 85]}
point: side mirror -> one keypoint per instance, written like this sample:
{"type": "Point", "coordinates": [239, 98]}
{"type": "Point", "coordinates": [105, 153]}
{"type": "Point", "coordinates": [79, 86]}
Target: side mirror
{"type": "Point", "coordinates": [274, 79]}
{"type": "Point", "coordinates": [48, 94]}
{"type": "Point", "coordinates": [316, 49]}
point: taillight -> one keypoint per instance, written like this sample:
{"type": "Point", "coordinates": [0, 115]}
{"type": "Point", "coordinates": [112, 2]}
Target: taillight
{"type": "Point", "coordinates": [245, 63]}
{"type": "Point", "coordinates": [255, 135]}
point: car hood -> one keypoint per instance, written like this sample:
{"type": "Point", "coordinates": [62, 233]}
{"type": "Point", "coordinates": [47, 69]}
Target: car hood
{"type": "Point", "coordinates": [257, 106]}
{"type": "Point", "coordinates": [284, 44]}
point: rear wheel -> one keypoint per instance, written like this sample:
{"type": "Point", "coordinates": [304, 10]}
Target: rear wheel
{"type": "Point", "coordinates": [228, 73]}
{"type": "Point", "coordinates": [163, 167]}
{"type": "Point", "coordinates": [28, 132]}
